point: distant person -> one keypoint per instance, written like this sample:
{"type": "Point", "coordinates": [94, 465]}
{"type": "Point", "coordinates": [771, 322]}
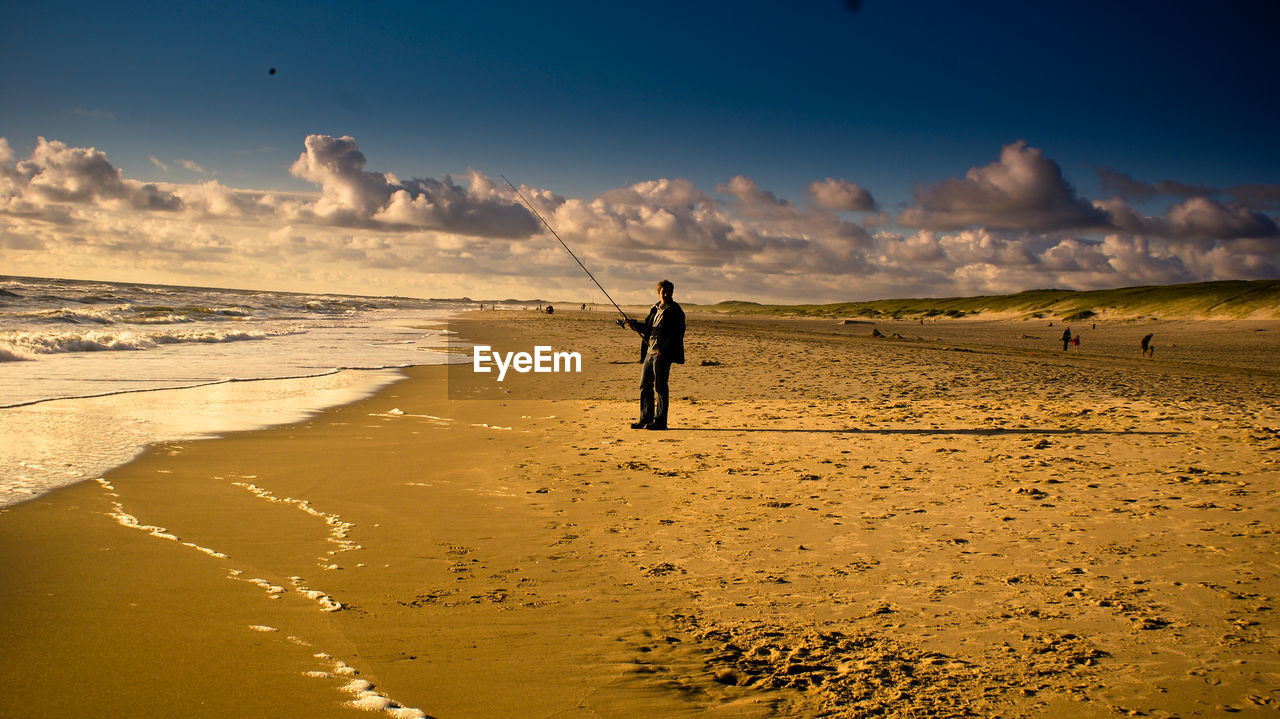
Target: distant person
{"type": "Point", "coordinates": [1066, 339]}
{"type": "Point", "coordinates": [1147, 349]}
{"type": "Point", "coordinates": [662, 334]}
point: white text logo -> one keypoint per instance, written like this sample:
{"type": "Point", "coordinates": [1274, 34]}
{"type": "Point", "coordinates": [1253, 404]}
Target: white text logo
{"type": "Point", "coordinates": [542, 360]}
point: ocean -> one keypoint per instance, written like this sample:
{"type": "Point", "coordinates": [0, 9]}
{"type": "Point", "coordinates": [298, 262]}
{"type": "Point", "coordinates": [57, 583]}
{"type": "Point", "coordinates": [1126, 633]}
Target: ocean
{"type": "Point", "coordinates": [93, 372]}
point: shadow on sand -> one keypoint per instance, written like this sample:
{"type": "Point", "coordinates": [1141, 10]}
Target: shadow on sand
{"type": "Point", "coordinates": [964, 431]}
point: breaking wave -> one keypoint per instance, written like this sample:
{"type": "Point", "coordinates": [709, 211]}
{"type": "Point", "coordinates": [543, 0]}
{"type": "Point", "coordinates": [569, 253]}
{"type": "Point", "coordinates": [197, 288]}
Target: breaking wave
{"type": "Point", "coordinates": [134, 314]}
{"type": "Point", "coordinates": [16, 346]}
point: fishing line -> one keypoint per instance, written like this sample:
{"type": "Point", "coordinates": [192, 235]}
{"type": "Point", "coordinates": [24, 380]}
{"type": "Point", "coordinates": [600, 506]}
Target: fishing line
{"type": "Point", "coordinates": [566, 247]}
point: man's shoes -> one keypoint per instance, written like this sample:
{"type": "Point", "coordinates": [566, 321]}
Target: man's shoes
{"type": "Point", "coordinates": [639, 425]}
{"type": "Point", "coordinates": [657, 427]}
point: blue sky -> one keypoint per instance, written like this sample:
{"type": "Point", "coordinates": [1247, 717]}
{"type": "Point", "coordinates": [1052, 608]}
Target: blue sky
{"type": "Point", "coordinates": [576, 100]}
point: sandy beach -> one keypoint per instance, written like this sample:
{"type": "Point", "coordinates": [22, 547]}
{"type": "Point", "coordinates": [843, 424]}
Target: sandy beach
{"type": "Point", "coordinates": [956, 519]}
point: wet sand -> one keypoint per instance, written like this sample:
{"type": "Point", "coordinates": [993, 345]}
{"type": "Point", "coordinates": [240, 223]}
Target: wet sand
{"type": "Point", "coordinates": [961, 521]}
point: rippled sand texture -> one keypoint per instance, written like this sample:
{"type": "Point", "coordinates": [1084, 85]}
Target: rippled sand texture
{"type": "Point", "coordinates": [959, 521]}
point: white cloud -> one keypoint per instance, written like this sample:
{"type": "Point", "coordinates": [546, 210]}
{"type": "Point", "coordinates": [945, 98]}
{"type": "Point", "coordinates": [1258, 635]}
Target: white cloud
{"type": "Point", "coordinates": [69, 211]}
{"type": "Point", "coordinates": [1202, 217]}
{"type": "Point", "coordinates": [191, 166]}
{"type": "Point", "coordinates": [351, 196]}
{"type": "Point", "coordinates": [56, 173]}
{"type": "Point", "coordinates": [841, 194]}
{"type": "Point", "coordinates": [1023, 190]}
{"type": "Point", "coordinates": [756, 203]}
{"type": "Point", "coordinates": [211, 199]}
{"type": "Point", "coordinates": [155, 161]}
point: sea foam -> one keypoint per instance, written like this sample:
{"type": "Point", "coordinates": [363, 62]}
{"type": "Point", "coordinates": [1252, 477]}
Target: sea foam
{"type": "Point", "coordinates": [94, 371]}
{"type": "Point", "coordinates": [128, 520]}
{"type": "Point", "coordinates": [27, 345]}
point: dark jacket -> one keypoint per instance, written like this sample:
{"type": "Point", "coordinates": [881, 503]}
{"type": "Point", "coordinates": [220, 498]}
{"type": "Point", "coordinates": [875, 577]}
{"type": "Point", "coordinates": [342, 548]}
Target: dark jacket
{"type": "Point", "coordinates": [667, 334]}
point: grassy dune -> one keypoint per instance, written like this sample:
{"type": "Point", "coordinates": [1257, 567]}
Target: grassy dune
{"type": "Point", "coordinates": [1234, 299]}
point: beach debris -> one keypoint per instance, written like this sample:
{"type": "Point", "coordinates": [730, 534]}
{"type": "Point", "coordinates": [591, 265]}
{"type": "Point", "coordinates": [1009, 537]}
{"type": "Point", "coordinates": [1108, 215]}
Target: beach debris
{"type": "Point", "coordinates": [1147, 624]}
{"type": "Point", "coordinates": [662, 569]}
{"type": "Point", "coordinates": [1032, 492]}
{"type": "Point", "coordinates": [836, 669]}
{"type": "Point", "coordinates": [710, 363]}
{"type": "Point", "coordinates": [877, 334]}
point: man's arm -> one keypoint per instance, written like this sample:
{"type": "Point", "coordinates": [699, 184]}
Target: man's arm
{"type": "Point", "coordinates": [643, 328]}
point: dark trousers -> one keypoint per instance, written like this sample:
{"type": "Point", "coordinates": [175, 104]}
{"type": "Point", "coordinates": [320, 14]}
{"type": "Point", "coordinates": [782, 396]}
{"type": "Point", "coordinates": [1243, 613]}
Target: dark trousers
{"type": "Point", "coordinates": [654, 391]}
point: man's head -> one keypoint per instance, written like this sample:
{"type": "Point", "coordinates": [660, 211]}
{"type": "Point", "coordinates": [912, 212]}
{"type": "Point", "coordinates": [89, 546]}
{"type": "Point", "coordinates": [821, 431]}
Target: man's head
{"type": "Point", "coordinates": [665, 290]}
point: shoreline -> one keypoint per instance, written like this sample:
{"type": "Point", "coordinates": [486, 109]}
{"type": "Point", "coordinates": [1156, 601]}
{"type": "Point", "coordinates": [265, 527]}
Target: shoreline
{"type": "Point", "coordinates": [50, 443]}
{"type": "Point", "coordinates": [837, 524]}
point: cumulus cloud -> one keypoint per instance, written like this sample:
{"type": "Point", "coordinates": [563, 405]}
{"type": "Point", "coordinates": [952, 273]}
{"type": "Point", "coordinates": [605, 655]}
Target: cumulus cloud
{"type": "Point", "coordinates": [1255, 196]}
{"type": "Point", "coordinates": [1192, 219]}
{"type": "Point", "coordinates": [670, 223]}
{"type": "Point", "coordinates": [337, 166]}
{"type": "Point", "coordinates": [755, 202]}
{"type": "Point", "coordinates": [647, 222]}
{"type": "Point", "coordinates": [1023, 190]}
{"type": "Point", "coordinates": [56, 173]}
{"type": "Point", "coordinates": [1001, 228]}
{"type": "Point", "coordinates": [211, 199]}
{"type": "Point", "coordinates": [350, 195]}
{"type": "Point", "coordinates": [979, 261]}
{"type": "Point", "coordinates": [841, 194]}
{"type": "Point", "coordinates": [1206, 218]}
{"type": "Point", "coordinates": [1073, 256]}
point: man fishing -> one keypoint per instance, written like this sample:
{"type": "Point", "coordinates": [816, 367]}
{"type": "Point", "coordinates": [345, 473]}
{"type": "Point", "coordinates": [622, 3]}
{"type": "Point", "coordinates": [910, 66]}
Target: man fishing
{"type": "Point", "coordinates": [662, 334]}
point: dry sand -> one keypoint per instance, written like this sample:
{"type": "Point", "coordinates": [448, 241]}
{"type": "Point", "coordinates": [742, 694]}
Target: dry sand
{"type": "Point", "coordinates": [963, 521]}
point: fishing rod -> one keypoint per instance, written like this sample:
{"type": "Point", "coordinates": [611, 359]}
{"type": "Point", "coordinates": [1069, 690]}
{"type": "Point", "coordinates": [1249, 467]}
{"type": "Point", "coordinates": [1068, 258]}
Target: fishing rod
{"type": "Point", "coordinates": [566, 247]}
